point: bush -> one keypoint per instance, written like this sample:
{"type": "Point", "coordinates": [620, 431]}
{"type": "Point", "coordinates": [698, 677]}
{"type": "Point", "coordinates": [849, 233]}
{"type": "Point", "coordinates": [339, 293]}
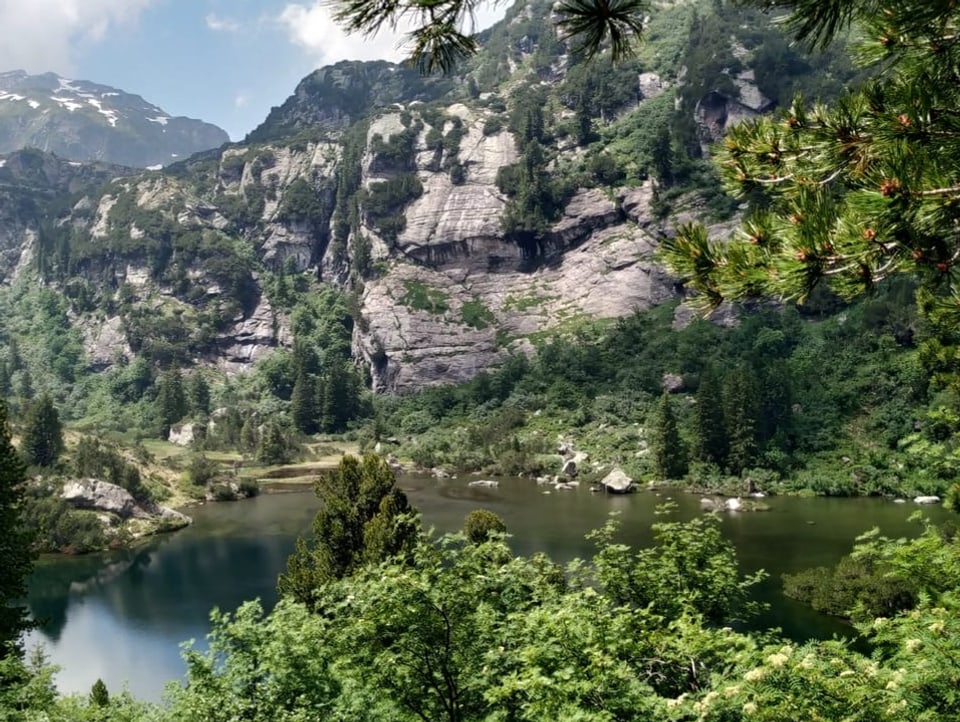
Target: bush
{"type": "Point", "coordinates": [201, 470]}
{"type": "Point", "coordinates": [480, 524]}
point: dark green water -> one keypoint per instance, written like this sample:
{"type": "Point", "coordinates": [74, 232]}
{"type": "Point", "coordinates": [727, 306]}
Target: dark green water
{"type": "Point", "coordinates": [121, 617]}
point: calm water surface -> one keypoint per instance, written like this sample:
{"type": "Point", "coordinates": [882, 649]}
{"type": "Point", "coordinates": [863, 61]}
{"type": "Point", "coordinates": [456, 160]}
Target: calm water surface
{"type": "Point", "coordinates": [123, 616]}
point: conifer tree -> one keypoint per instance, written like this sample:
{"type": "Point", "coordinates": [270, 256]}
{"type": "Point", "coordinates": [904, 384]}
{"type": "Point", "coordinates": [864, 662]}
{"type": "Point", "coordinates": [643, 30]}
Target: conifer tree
{"type": "Point", "coordinates": [364, 518]}
{"type": "Point", "coordinates": [740, 414]}
{"type": "Point", "coordinates": [249, 436]}
{"type": "Point", "coordinates": [99, 696]}
{"type": "Point", "coordinates": [171, 400]}
{"type": "Point", "coordinates": [669, 453]}
{"type": "Point", "coordinates": [42, 438]}
{"type": "Point", "coordinates": [442, 34]}
{"type": "Point", "coordinates": [273, 447]}
{"type": "Point", "coordinates": [854, 192]}
{"type": "Point", "coordinates": [709, 426]}
{"type": "Point", "coordinates": [198, 393]}
{"type": "Point", "coordinates": [303, 408]}
{"type": "Point", "coordinates": [15, 543]}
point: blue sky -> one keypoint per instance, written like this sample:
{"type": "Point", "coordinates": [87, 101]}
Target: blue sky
{"type": "Point", "coordinates": [224, 61]}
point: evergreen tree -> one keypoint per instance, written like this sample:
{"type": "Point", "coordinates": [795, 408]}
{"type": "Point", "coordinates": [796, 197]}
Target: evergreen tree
{"type": "Point", "coordinates": [441, 34]}
{"type": "Point", "coordinates": [99, 696]}
{"type": "Point", "coordinates": [669, 453]}
{"type": "Point", "coordinates": [198, 393]}
{"type": "Point", "coordinates": [302, 404]}
{"type": "Point", "coordinates": [42, 438]}
{"type": "Point", "coordinates": [171, 402]}
{"type": "Point", "coordinates": [364, 518]}
{"type": "Point", "coordinates": [249, 437]}
{"type": "Point", "coordinates": [339, 399]}
{"type": "Point", "coordinates": [709, 426]}
{"type": "Point", "coordinates": [15, 544]}
{"type": "Point", "coordinates": [846, 195]}
{"type": "Point", "coordinates": [740, 414]}
{"type": "Point", "coordinates": [273, 447]}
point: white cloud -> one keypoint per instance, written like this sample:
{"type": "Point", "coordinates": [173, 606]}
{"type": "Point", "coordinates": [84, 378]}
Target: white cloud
{"type": "Point", "coordinates": [241, 100]}
{"type": "Point", "coordinates": [218, 24]}
{"type": "Point", "coordinates": [44, 35]}
{"type": "Point", "coordinates": [311, 27]}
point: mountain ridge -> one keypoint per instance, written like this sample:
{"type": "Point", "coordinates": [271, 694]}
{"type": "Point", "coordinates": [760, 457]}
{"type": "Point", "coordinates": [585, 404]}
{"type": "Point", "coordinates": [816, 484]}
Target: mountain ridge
{"type": "Point", "coordinates": [83, 121]}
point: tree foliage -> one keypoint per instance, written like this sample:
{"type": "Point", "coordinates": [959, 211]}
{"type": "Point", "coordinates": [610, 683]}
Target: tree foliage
{"type": "Point", "coordinates": [442, 33]}
{"type": "Point", "coordinates": [42, 440]}
{"type": "Point", "coordinates": [364, 518]}
{"type": "Point", "coordinates": [15, 543]}
{"type": "Point", "coordinates": [851, 193]}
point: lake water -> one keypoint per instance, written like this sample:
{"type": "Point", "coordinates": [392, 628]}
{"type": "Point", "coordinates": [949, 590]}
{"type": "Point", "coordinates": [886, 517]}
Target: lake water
{"type": "Point", "coordinates": [123, 616]}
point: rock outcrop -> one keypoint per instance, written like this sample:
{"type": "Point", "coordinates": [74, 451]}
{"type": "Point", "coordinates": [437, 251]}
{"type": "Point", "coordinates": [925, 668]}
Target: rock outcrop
{"type": "Point", "coordinates": [113, 500]}
{"type": "Point", "coordinates": [617, 482]}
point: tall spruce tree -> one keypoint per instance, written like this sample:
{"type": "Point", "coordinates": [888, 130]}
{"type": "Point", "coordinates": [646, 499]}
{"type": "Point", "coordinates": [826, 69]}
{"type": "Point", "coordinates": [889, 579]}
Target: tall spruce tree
{"type": "Point", "coordinates": [42, 438]}
{"type": "Point", "coordinates": [15, 544]}
{"type": "Point", "coordinates": [303, 400]}
{"type": "Point", "coordinates": [710, 429]}
{"type": "Point", "coordinates": [171, 400]}
{"type": "Point", "coordinates": [740, 415]}
{"type": "Point", "coordinates": [669, 452]}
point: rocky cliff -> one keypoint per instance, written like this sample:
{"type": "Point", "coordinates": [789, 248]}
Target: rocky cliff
{"type": "Point", "coordinates": [466, 216]}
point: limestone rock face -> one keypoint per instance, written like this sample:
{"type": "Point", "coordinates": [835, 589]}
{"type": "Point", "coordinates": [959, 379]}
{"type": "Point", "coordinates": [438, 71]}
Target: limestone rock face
{"type": "Point", "coordinates": [253, 338]}
{"type": "Point", "coordinates": [598, 263]}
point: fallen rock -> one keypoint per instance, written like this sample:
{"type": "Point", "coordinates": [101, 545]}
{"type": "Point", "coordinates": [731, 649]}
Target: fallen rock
{"type": "Point", "coordinates": [102, 496]}
{"type": "Point", "coordinates": [99, 495]}
{"type": "Point", "coordinates": [617, 482]}
{"type": "Point", "coordinates": [926, 500]}
{"type": "Point", "coordinates": [486, 483]}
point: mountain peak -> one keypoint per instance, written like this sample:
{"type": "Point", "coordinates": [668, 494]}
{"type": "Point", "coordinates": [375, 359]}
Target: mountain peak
{"type": "Point", "coordinates": [84, 121]}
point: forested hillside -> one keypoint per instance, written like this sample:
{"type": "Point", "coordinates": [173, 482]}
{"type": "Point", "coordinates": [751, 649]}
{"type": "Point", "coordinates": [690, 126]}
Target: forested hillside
{"type": "Point", "coordinates": [492, 243]}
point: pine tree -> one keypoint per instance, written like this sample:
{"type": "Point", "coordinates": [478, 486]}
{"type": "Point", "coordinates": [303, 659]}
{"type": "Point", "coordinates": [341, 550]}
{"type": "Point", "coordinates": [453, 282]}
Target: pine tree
{"type": "Point", "coordinates": [42, 438]}
{"type": "Point", "coordinates": [249, 437]}
{"type": "Point", "coordinates": [849, 194]}
{"type": "Point", "coordinates": [709, 426]}
{"type": "Point", "coordinates": [740, 413]}
{"type": "Point", "coordinates": [15, 544]}
{"type": "Point", "coordinates": [364, 518]}
{"type": "Point", "coordinates": [198, 393]}
{"type": "Point", "coordinates": [99, 696]}
{"type": "Point", "coordinates": [442, 37]}
{"type": "Point", "coordinates": [669, 453]}
{"type": "Point", "coordinates": [171, 400]}
{"type": "Point", "coordinates": [303, 409]}
{"type": "Point", "coordinates": [273, 447]}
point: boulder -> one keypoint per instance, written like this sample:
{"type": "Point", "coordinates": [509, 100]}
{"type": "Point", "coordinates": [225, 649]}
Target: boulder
{"type": "Point", "coordinates": [672, 383]}
{"type": "Point", "coordinates": [926, 500]}
{"type": "Point", "coordinates": [181, 434]}
{"type": "Point", "coordinates": [486, 483]}
{"type": "Point", "coordinates": [569, 468]}
{"type": "Point", "coordinates": [617, 482]}
{"type": "Point", "coordinates": [103, 496]}
{"type": "Point", "coordinates": [108, 498]}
